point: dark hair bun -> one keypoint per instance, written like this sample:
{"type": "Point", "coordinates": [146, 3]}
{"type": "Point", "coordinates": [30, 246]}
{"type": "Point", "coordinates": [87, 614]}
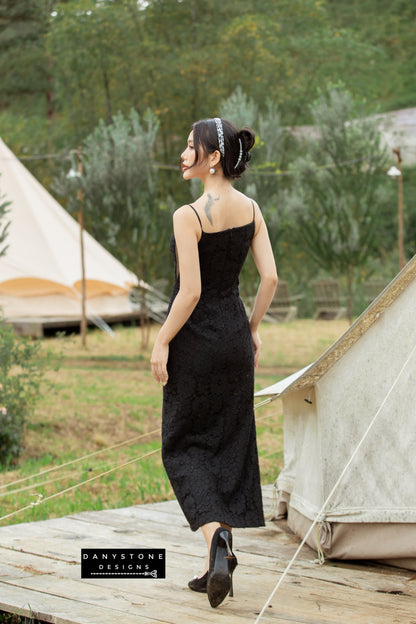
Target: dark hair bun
{"type": "Point", "coordinates": [234, 155]}
{"type": "Point", "coordinates": [247, 137]}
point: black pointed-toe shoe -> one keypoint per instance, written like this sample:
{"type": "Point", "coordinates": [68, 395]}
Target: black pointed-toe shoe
{"type": "Point", "coordinates": [199, 584]}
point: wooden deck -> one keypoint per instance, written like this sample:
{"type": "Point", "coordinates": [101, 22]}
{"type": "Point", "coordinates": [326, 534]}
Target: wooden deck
{"type": "Point", "coordinates": [40, 575]}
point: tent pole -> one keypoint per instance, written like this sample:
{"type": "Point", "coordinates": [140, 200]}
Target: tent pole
{"type": "Point", "coordinates": [83, 326]}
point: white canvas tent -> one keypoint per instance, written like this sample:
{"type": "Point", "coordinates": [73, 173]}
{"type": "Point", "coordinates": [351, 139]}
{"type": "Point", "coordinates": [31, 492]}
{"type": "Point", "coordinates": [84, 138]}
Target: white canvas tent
{"type": "Point", "coordinates": [40, 275]}
{"type": "Point", "coordinates": [356, 401]}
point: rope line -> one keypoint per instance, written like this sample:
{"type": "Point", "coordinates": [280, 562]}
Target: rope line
{"type": "Point", "coordinates": [43, 472]}
{"type": "Point", "coordinates": [268, 454]}
{"type": "Point", "coordinates": [35, 485]}
{"type": "Point", "coordinates": [74, 461]}
{"type": "Point", "coordinates": [73, 487]}
{"type": "Point", "coordinates": [268, 416]}
{"type": "Point", "coordinates": [108, 448]}
{"type": "Point", "coordinates": [73, 473]}
{"type": "Point", "coordinates": [320, 513]}
{"type": "Point", "coordinates": [264, 402]}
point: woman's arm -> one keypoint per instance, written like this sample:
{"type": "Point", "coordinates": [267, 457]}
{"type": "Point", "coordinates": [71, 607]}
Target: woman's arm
{"type": "Point", "coordinates": [266, 266]}
{"type": "Point", "coordinates": [186, 233]}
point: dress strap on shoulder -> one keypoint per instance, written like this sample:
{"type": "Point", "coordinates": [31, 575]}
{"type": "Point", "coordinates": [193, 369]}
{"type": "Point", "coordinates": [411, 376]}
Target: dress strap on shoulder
{"type": "Point", "coordinates": [200, 222]}
{"type": "Point", "coordinates": [254, 210]}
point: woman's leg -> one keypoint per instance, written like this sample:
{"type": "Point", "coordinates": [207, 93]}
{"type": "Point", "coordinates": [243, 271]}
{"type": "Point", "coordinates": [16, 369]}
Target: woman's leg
{"type": "Point", "coordinates": [208, 531]}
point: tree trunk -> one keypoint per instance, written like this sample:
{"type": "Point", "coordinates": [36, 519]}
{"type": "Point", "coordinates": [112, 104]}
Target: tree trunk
{"type": "Point", "coordinates": [144, 320]}
{"type": "Point", "coordinates": [109, 115]}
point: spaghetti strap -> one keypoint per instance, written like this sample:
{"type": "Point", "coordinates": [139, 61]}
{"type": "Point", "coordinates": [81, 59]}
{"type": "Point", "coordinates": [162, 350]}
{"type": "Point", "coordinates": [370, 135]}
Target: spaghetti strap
{"type": "Point", "coordinates": [254, 210]}
{"type": "Point", "coordinates": [200, 222]}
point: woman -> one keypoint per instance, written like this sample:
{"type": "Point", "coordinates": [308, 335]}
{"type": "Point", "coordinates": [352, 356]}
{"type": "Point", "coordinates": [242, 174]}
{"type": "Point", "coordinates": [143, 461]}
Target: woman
{"type": "Point", "coordinates": [206, 350]}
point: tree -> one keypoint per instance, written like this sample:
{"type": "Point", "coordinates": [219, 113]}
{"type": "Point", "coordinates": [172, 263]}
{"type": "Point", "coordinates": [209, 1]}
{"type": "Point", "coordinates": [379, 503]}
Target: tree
{"type": "Point", "coordinates": [24, 66]}
{"type": "Point", "coordinates": [262, 180]}
{"type": "Point", "coordinates": [389, 26]}
{"type": "Point", "coordinates": [120, 193]}
{"type": "Point", "coordinates": [86, 42]}
{"type": "Point", "coordinates": [182, 58]}
{"type": "Point", "coordinates": [339, 186]}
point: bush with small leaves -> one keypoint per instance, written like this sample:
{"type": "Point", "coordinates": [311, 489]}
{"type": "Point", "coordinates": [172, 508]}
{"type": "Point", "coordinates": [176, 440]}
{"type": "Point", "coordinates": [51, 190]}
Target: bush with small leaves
{"type": "Point", "coordinates": [23, 364]}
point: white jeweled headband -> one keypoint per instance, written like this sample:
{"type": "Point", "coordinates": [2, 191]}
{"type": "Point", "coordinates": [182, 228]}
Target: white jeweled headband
{"type": "Point", "coordinates": [220, 134]}
{"type": "Point", "coordinates": [240, 154]}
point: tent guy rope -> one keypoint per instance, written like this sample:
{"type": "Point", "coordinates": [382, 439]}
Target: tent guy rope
{"type": "Point", "coordinates": [319, 515]}
{"type": "Point", "coordinates": [104, 450]}
{"type": "Point", "coordinates": [79, 459]}
{"type": "Point", "coordinates": [73, 487]}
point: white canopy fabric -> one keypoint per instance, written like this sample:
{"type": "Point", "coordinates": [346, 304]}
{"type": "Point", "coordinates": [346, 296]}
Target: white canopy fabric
{"type": "Point", "coordinates": [282, 385]}
{"type": "Point", "coordinates": [43, 256]}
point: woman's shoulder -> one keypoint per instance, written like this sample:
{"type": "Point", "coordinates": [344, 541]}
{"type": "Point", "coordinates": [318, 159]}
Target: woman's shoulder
{"type": "Point", "coordinates": [257, 215]}
{"type": "Point", "coordinates": [186, 217]}
{"type": "Point", "coordinates": [246, 199]}
{"type": "Point", "coordinates": [184, 213]}
{"type": "Point", "coordinates": [254, 207]}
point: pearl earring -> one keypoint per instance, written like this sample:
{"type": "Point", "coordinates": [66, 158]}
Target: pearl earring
{"type": "Point", "coordinates": [212, 170]}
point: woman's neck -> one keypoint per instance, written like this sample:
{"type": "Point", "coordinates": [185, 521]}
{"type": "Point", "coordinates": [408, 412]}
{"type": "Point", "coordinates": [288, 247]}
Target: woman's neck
{"type": "Point", "coordinates": [216, 184]}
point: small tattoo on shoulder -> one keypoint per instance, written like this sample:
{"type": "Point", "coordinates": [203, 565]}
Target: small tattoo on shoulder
{"type": "Point", "coordinates": [208, 206]}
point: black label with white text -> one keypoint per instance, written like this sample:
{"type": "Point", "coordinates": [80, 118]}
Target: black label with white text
{"type": "Point", "coordinates": [123, 562]}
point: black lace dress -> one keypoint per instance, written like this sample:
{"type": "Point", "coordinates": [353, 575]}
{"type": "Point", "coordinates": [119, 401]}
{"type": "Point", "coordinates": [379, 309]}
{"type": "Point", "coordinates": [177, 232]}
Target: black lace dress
{"type": "Point", "coordinates": [208, 430]}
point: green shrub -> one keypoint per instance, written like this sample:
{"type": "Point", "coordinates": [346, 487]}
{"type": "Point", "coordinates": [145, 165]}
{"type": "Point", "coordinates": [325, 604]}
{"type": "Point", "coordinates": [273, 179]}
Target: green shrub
{"type": "Point", "coordinates": [13, 618]}
{"type": "Point", "coordinates": [23, 365]}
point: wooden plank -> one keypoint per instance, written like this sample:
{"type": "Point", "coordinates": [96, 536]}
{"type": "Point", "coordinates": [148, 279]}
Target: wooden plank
{"type": "Point", "coordinates": [11, 571]}
{"type": "Point", "coordinates": [382, 579]}
{"type": "Point", "coordinates": [361, 576]}
{"type": "Point", "coordinates": [133, 600]}
{"type": "Point", "coordinates": [312, 603]}
{"type": "Point", "coordinates": [67, 546]}
{"type": "Point", "coordinates": [356, 576]}
{"type": "Point", "coordinates": [46, 608]}
{"type": "Point", "coordinates": [178, 563]}
{"type": "Point", "coordinates": [41, 566]}
{"type": "Point", "coordinates": [246, 573]}
{"type": "Point", "coordinates": [173, 600]}
{"type": "Point", "coordinates": [68, 532]}
{"type": "Point", "coordinates": [16, 564]}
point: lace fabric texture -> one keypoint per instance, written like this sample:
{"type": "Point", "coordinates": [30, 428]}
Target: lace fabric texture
{"type": "Point", "coordinates": [208, 430]}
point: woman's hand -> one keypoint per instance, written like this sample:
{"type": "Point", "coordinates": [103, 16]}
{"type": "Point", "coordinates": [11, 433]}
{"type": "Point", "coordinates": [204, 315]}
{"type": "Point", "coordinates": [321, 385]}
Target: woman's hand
{"type": "Point", "coordinates": [159, 361]}
{"type": "Point", "coordinates": [257, 346]}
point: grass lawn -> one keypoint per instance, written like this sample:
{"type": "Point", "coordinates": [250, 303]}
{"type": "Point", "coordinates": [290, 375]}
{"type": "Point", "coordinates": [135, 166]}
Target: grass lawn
{"type": "Point", "coordinates": [104, 409]}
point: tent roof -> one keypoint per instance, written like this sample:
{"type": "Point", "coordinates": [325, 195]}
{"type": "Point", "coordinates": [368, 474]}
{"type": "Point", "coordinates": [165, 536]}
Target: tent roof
{"type": "Point", "coordinates": [309, 375]}
{"type": "Point", "coordinates": [43, 255]}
